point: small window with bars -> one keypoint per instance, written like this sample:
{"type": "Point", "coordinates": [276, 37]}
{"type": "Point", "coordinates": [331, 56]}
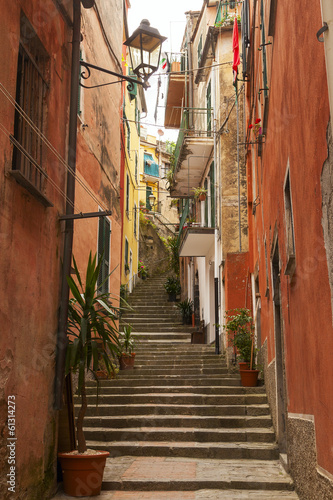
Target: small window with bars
{"type": "Point", "coordinates": [28, 165]}
{"type": "Point", "coordinates": [104, 236]}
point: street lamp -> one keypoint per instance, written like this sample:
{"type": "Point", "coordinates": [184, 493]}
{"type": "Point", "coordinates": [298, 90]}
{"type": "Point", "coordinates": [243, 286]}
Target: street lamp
{"type": "Point", "coordinates": [152, 199]}
{"type": "Point", "coordinates": [145, 51]}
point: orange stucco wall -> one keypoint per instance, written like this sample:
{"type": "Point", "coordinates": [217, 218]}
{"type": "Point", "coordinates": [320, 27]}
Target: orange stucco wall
{"type": "Point", "coordinates": [30, 249]}
{"type": "Point", "coordinates": [296, 136]}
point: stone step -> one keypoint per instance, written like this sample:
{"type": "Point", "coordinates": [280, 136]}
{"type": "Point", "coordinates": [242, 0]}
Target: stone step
{"type": "Point", "coordinates": [214, 479]}
{"type": "Point", "coordinates": [180, 370]}
{"type": "Point", "coordinates": [221, 390]}
{"type": "Point", "coordinates": [176, 409]}
{"type": "Point", "coordinates": [207, 422]}
{"type": "Point", "coordinates": [158, 434]}
{"type": "Point", "coordinates": [209, 450]}
{"type": "Point", "coordinates": [177, 399]}
{"type": "Point", "coordinates": [130, 381]}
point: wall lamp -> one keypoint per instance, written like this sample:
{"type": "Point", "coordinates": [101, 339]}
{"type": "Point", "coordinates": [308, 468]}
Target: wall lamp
{"type": "Point", "coordinates": [145, 51]}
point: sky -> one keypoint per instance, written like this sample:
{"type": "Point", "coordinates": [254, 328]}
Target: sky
{"type": "Point", "coordinates": [169, 18]}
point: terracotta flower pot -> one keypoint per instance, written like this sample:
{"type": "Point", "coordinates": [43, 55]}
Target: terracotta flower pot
{"type": "Point", "coordinates": [202, 197]}
{"type": "Point", "coordinates": [243, 365]}
{"type": "Point", "coordinates": [83, 474]}
{"type": "Point", "coordinates": [249, 378]}
{"type": "Point", "coordinates": [126, 361]}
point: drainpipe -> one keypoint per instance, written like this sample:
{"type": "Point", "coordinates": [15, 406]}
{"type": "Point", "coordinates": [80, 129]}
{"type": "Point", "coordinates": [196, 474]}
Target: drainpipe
{"type": "Point", "coordinates": [216, 246]}
{"type": "Point", "coordinates": [190, 68]}
{"type": "Point", "coordinates": [68, 238]}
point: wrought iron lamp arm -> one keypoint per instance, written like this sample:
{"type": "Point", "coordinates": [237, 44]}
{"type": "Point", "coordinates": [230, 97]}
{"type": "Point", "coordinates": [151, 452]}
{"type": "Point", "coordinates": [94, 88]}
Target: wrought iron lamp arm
{"type": "Point", "coordinates": [89, 66]}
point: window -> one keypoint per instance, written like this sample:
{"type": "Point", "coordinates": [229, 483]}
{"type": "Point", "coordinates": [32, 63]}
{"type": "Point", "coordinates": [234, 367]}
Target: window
{"type": "Point", "coordinates": [104, 232]}
{"type": "Point", "coordinates": [28, 165]}
{"type": "Point", "coordinates": [137, 117]}
{"type": "Point", "coordinates": [127, 193]}
{"type": "Point", "coordinates": [289, 221]}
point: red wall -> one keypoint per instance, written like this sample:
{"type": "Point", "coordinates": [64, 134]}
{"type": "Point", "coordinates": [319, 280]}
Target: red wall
{"type": "Point", "coordinates": [237, 281]}
{"type": "Point", "coordinates": [296, 132]}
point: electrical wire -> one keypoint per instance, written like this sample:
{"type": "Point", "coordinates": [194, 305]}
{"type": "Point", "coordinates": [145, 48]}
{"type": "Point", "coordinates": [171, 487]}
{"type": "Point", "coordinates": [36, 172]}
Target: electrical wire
{"type": "Point", "coordinates": [44, 139]}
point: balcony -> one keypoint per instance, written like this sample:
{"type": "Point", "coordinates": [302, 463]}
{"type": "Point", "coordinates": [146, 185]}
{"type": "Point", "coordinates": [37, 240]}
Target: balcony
{"type": "Point", "coordinates": [151, 169]}
{"type": "Point", "coordinates": [194, 150]}
{"type": "Point", "coordinates": [196, 242]}
{"type": "Point", "coordinates": [175, 96]}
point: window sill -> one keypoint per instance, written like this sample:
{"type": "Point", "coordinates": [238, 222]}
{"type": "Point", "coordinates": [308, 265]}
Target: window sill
{"type": "Point", "coordinates": [29, 186]}
{"type": "Point", "coordinates": [291, 265]}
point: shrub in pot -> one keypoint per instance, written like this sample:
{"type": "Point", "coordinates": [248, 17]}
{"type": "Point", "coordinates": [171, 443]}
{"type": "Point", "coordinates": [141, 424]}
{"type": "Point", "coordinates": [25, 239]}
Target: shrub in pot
{"type": "Point", "coordinates": [240, 329]}
{"type": "Point", "coordinates": [93, 336]}
{"type": "Point", "coordinates": [126, 345]}
{"type": "Point", "coordinates": [172, 287]}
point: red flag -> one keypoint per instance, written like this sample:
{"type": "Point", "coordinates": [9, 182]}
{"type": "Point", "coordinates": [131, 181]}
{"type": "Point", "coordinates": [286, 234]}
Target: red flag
{"type": "Point", "coordinates": [235, 48]}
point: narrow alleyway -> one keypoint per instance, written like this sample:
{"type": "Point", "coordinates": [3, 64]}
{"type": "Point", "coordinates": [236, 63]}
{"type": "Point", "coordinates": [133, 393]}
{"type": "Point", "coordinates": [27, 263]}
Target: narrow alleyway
{"type": "Point", "coordinates": [178, 426]}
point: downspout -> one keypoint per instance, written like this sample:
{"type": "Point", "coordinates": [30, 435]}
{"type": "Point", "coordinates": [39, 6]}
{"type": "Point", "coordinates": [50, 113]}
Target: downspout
{"type": "Point", "coordinates": [68, 238]}
{"type": "Point", "coordinates": [190, 68]}
{"type": "Point", "coordinates": [216, 256]}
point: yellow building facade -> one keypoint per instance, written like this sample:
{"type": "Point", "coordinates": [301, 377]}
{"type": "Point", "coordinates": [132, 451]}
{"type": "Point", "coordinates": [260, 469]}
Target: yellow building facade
{"type": "Point", "coordinates": [133, 105]}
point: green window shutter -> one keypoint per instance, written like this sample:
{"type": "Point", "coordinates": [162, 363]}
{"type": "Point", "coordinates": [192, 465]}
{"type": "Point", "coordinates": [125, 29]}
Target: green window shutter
{"type": "Point", "coordinates": [212, 194]}
{"type": "Point", "coordinates": [126, 252]}
{"type": "Point", "coordinates": [209, 109]}
{"type": "Point", "coordinates": [149, 191]}
{"type": "Point", "coordinates": [127, 192]}
{"type": "Point", "coordinates": [138, 117]}
{"type": "Point", "coordinates": [135, 219]}
{"type": "Point", "coordinates": [103, 252]}
{"type": "Point", "coordinates": [263, 51]}
{"type": "Point", "coordinates": [136, 166]}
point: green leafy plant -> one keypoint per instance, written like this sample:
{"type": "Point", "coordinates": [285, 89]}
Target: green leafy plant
{"type": "Point", "coordinates": [199, 191]}
{"type": "Point", "coordinates": [142, 270]}
{"type": "Point", "coordinates": [186, 308]}
{"type": "Point", "coordinates": [172, 245]}
{"type": "Point", "coordinates": [126, 340]}
{"type": "Point", "coordinates": [172, 285]}
{"type": "Point", "coordinates": [93, 333]}
{"type": "Point", "coordinates": [240, 329]}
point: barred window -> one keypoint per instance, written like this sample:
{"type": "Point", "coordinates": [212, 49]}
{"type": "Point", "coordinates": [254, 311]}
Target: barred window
{"type": "Point", "coordinates": [28, 165]}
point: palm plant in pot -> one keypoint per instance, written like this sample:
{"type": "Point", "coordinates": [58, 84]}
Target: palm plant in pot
{"type": "Point", "coordinates": [127, 345]}
{"type": "Point", "coordinates": [93, 336]}
{"type": "Point", "coordinates": [186, 308]}
{"type": "Point", "coordinates": [240, 329]}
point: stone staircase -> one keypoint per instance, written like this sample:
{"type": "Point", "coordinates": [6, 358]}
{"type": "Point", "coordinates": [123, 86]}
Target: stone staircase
{"type": "Point", "coordinates": [178, 426]}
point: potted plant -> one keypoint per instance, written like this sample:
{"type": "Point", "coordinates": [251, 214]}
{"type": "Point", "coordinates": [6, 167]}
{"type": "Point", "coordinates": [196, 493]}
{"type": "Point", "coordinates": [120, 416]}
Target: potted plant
{"type": "Point", "coordinates": [172, 287]}
{"type": "Point", "coordinates": [126, 345]}
{"type": "Point", "coordinates": [93, 336]}
{"type": "Point", "coordinates": [142, 270]}
{"type": "Point", "coordinates": [200, 193]}
{"type": "Point", "coordinates": [240, 329]}
{"type": "Point", "coordinates": [102, 373]}
{"type": "Point", "coordinates": [186, 308]}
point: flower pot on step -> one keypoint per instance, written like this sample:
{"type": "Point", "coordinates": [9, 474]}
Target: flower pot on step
{"type": "Point", "coordinates": [243, 365]}
{"type": "Point", "coordinates": [126, 361]}
{"type": "Point", "coordinates": [249, 378]}
{"type": "Point", "coordinates": [83, 474]}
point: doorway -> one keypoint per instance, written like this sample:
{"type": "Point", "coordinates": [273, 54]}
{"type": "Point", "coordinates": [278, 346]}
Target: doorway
{"type": "Point", "coordinates": [281, 398]}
